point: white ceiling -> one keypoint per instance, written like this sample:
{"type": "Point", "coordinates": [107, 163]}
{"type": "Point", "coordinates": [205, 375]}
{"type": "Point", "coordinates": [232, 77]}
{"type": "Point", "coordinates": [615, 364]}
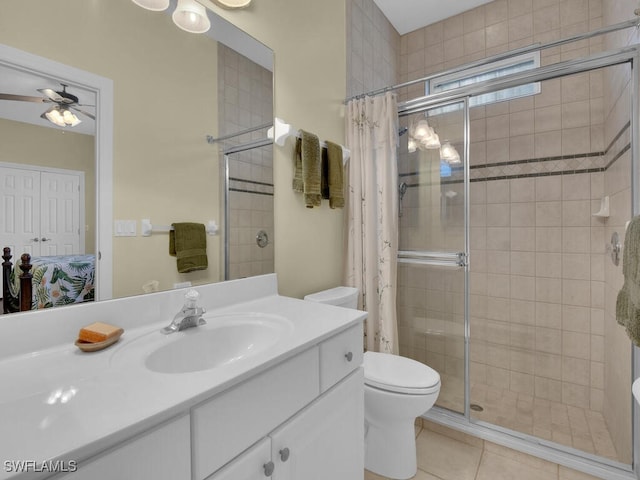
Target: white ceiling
{"type": "Point", "coordinates": [409, 15]}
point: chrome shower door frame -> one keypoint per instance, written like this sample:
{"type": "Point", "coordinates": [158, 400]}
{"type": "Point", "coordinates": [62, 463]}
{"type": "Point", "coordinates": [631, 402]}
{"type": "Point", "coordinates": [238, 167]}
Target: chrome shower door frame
{"type": "Point", "coordinates": [529, 444]}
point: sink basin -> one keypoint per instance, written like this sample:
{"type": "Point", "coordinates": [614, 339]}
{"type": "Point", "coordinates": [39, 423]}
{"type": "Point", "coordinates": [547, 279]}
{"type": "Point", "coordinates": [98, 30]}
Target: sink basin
{"type": "Point", "coordinates": [224, 340]}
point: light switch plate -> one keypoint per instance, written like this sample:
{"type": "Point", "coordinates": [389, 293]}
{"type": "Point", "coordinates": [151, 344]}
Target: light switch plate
{"type": "Point", "coordinates": [124, 228]}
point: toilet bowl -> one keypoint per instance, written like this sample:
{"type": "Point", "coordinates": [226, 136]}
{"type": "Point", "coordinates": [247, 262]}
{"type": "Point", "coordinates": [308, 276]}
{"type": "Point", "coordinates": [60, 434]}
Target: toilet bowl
{"type": "Point", "coordinates": [396, 391]}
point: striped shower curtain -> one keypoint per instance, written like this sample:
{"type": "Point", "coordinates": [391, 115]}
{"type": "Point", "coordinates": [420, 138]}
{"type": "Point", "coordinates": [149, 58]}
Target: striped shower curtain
{"type": "Point", "coordinates": [371, 218]}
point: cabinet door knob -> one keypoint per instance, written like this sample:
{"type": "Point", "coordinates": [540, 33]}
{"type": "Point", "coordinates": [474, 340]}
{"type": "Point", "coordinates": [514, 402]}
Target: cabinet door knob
{"type": "Point", "coordinates": [284, 454]}
{"type": "Point", "coordinates": [268, 469]}
{"type": "Point", "coordinates": [45, 239]}
{"type": "Point", "coordinates": [35, 239]}
{"type": "Point", "coordinates": [348, 356]}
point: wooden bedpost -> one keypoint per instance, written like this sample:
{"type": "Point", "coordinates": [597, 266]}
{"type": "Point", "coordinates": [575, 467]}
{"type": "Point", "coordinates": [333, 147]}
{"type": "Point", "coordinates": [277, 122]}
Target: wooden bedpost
{"type": "Point", "coordinates": [6, 278]}
{"type": "Point", "coordinates": [26, 288]}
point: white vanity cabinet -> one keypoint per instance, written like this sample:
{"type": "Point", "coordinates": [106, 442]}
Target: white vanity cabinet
{"type": "Point", "coordinates": [323, 440]}
{"type": "Point", "coordinates": [326, 439]}
{"type": "Point", "coordinates": [162, 453]}
{"type": "Point", "coordinates": [301, 419]}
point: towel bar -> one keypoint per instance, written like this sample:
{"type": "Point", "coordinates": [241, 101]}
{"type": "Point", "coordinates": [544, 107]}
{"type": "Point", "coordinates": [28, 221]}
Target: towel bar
{"type": "Point", "coordinates": [281, 131]}
{"type": "Point", "coordinates": [147, 228]}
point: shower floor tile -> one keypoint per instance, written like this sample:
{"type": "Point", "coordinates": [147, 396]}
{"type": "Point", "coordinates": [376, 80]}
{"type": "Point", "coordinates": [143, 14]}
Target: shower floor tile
{"type": "Point", "coordinates": [567, 425]}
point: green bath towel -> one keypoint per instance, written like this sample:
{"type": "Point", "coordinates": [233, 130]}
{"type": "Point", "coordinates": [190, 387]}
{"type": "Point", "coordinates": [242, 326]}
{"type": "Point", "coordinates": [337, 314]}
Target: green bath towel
{"type": "Point", "coordinates": [188, 243]}
{"type": "Point", "coordinates": [307, 168]}
{"type": "Point", "coordinates": [628, 301]}
{"type": "Point", "coordinates": [334, 175]}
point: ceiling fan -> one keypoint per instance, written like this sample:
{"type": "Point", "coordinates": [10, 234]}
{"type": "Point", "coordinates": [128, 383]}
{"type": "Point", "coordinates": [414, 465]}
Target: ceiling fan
{"type": "Point", "coordinates": [59, 114]}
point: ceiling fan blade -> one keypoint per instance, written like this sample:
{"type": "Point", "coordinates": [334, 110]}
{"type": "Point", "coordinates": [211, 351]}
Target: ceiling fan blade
{"type": "Point", "coordinates": [87, 114]}
{"type": "Point", "coordinates": [21, 98]}
{"type": "Point", "coordinates": [54, 96]}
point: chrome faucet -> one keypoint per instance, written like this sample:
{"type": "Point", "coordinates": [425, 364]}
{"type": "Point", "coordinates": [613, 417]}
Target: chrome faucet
{"type": "Point", "coordinates": [190, 315]}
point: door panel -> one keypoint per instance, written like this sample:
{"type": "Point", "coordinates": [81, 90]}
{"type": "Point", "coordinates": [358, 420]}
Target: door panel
{"type": "Point", "coordinates": [21, 210]}
{"type": "Point", "coordinates": [60, 233]}
{"type": "Point", "coordinates": [433, 250]}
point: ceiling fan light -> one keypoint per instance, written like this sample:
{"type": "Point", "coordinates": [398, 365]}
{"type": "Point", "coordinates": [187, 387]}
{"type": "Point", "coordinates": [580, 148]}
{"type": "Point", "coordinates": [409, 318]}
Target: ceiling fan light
{"type": "Point", "coordinates": [190, 16]}
{"type": "Point", "coordinates": [54, 116]}
{"type": "Point", "coordinates": [155, 5]}
{"type": "Point", "coordinates": [70, 118]}
{"type": "Point", "coordinates": [233, 3]}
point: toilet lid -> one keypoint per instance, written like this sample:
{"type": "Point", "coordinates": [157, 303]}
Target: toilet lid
{"type": "Point", "coordinates": [399, 374]}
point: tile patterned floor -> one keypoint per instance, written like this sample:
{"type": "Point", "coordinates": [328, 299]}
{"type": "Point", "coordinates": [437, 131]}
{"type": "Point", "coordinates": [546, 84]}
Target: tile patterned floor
{"type": "Point", "coordinates": [567, 425]}
{"type": "Point", "coordinates": [444, 454]}
{"type": "Point", "coordinates": [575, 427]}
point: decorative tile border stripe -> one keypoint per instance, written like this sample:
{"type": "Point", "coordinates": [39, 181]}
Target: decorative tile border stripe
{"type": "Point", "coordinates": [591, 162]}
{"type": "Point", "coordinates": [259, 188]}
{"type": "Point", "coordinates": [250, 191]}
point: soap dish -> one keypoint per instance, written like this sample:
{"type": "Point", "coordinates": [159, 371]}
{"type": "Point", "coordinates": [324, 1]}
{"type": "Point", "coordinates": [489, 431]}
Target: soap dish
{"type": "Point", "coordinates": [96, 346]}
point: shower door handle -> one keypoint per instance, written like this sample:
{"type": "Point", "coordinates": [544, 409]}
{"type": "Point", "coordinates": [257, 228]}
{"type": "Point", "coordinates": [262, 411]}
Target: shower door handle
{"type": "Point", "coordinates": [437, 259]}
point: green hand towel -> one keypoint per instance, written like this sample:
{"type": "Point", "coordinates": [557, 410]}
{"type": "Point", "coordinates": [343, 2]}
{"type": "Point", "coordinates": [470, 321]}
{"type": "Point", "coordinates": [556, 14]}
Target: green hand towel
{"type": "Point", "coordinates": [308, 166]}
{"type": "Point", "coordinates": [628, 301]}
{"type": "Point", "coordinates": [335, 168]}
{"type": "Point", "coordinates": [188, 243]}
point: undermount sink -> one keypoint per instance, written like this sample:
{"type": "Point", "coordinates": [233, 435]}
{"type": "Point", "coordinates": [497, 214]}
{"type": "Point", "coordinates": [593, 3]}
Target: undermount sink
{"type": "Point", "coordinates": [225, 339]}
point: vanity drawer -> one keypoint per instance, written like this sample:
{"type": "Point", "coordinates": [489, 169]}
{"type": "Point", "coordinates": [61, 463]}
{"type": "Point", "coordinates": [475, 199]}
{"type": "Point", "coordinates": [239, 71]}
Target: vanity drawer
{"type": "Point", "coordinates": [339, 356]}
{"type": "Point", "coordinates": [229, 423]}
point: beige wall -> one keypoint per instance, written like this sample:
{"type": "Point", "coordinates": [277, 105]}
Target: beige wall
{"type": "Point", "coordinates": [55, 149]}
{"type": "Point", "coordinates": [165, 103]}
{"type": "Point", "coordinates": [308, 39]}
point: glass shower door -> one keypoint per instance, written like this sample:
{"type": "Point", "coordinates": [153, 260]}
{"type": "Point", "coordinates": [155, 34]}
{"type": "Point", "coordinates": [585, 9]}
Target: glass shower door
{"type": "Point", "coordinates": [432, 257]}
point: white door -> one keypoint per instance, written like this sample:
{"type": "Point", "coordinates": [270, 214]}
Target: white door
{"type": "Point", "coordinates": [325, 440]}
{"type": "Point", "coordinates": [41, 211]}
{"type": "Point", "coordinates": [60, 214]}
{"type": "Point", "coordinates": [20, 207]}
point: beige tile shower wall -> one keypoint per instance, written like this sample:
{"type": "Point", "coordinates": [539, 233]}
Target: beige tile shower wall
{"type": "Point", "coordinates": [373, 48]}
{"type": "Point", "coordinates": [494, 28]}
{"type": "Point", "coordinates": [617, 362]}
{"type": "Point", "coordinates": [246, 90]}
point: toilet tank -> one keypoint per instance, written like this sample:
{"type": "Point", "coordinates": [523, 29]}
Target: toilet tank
{"type": "Point", "coordinates": [341, 296]}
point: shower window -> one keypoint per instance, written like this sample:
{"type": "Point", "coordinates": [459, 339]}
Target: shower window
{"type": "Point", "coordinates": [488, 72]}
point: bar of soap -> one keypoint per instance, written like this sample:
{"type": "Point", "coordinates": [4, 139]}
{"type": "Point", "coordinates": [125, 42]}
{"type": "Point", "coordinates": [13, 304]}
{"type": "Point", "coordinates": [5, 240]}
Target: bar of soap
{"type": "Point", "coordinates": [99, 332]}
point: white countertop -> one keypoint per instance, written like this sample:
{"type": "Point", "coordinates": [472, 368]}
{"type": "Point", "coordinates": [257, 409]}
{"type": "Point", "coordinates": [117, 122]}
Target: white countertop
{"type": "Point", "coordinates": [59, 403]}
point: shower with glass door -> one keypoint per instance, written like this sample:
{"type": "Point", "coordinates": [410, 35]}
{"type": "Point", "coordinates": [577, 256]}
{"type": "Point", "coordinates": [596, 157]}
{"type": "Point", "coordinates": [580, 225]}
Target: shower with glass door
{"type": "Point", "coordinates": [506, 279]}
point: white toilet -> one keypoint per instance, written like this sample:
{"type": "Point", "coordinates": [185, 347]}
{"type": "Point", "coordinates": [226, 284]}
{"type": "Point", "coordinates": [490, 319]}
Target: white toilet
{"type": "Point", "coordinates": [396, 391]}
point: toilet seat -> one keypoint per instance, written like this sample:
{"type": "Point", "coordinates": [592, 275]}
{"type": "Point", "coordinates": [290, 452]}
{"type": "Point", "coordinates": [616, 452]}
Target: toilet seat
{"type": "Point", "coordinates": [396, 374]}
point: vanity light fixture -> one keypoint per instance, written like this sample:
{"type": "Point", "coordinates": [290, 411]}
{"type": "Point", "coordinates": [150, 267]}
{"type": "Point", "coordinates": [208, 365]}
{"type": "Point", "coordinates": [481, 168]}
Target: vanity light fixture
{"type": "Point", "coordinates": [449, 154]}
{"type": "Point", "coordinates": [62, 117]}
{"type": "Point", "coordinates": [190, 16]}
{"type": "Point", "coordinates": [154, 5]}
{"type": "Point", "coordinates": [232, 3]}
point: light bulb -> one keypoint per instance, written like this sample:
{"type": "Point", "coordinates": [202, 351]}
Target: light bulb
{"type": "Point", "coordinates": [190, 16]}
{"type": "Point", "coordinates": [412, 146]}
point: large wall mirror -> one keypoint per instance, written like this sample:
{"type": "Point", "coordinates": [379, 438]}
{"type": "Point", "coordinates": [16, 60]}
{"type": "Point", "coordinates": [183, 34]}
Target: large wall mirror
{"type": "Point", "coordinates": [147, 96]}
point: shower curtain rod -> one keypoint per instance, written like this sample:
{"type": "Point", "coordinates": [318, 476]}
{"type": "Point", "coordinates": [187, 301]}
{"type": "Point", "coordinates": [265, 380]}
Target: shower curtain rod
{"type": "Point", "coordinates": [506, 55]}
{"type": "Point", "coordinates": [211, 140]}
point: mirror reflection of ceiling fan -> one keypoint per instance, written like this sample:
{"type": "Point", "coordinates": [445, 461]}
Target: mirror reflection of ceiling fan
{"type": "Point", "coordinates": [59, 114]}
